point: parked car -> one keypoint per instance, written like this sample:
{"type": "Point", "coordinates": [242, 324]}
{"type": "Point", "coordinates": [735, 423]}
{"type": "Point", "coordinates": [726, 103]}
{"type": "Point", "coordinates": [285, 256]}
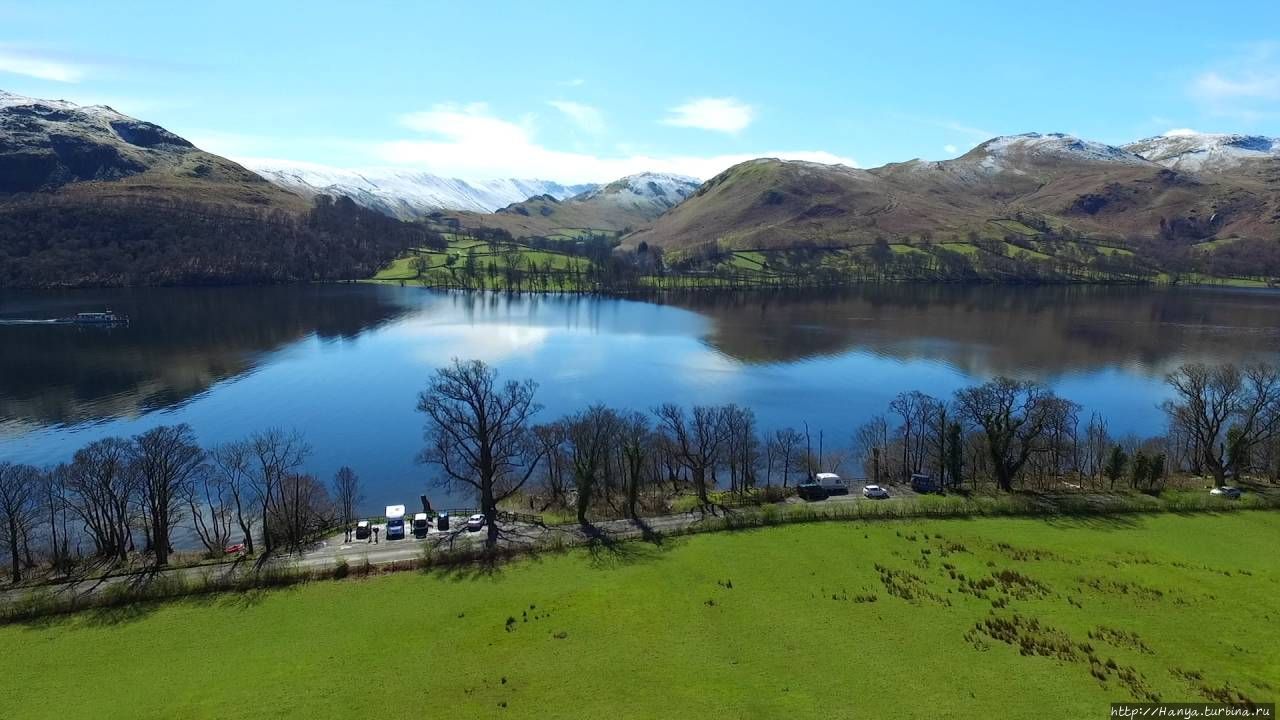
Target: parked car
{"type": "Point", "coordinates": [1226, 491]}
{"type": "Point", "coordinates": [924, 484]}
{"type": "Point", "coordinates": [811, 490]}
{"type": "Point", "coordinates": [832, 483]}
{"type": "Point", "coordinates": [475, 523]}
{"type": "Point", "coordinates": [875, 492]}
{"type": "Point", "coordinates": [363, 528]}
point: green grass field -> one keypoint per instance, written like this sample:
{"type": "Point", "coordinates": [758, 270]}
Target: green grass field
{"type": "Point", "coordinates": [963, 618]}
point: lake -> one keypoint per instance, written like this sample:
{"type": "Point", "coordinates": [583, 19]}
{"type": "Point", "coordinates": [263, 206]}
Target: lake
{"type": "Point", "coordinates": [344, 363]}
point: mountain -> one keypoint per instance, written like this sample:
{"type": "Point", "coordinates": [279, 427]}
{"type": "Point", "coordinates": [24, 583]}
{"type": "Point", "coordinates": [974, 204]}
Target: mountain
{"type": "Point", "coordinates": [48, 145]}
{"type": "Point", "coordinates": [1053, 181]}
{"type": "Point", "coordinates": [90, 196]}
{"type": "Point", "coordinates": [1206, 152]}
{"type": "Point", "coordinates": [406, 194]}
{"type": "Point", "coordinates": [622, 205]}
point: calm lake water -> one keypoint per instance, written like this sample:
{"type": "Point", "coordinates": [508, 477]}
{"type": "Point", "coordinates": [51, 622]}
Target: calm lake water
{"type": "Point", "coordinates": [343, 364]}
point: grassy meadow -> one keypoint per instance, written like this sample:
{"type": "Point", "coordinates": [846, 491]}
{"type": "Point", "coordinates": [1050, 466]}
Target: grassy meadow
{"type": "Point", "coordinates": [980, 617]}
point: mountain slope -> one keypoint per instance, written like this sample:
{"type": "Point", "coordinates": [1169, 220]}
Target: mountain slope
{"type": "Point", "coordinates": [406, 194]}
{"type": "Point", "coordinates": [89, 196]}
{"type": "Point", "coordinates": [54, 145]}
{"type": "Point", "coordinates": [1057, 180]}
{"type": "Point", "coordinates": [622, 205]}
{"type": "Point", "coordinates": [1201, 152]}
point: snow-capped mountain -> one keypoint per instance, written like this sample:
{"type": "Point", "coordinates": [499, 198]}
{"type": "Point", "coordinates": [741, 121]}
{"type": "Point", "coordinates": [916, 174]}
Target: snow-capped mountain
{"type": "Point", "coordinates": [45, 144]}
{"type": "Point", "coordinates": [660, 191]}
{"type": "Point", "coordinates": [407, 194]}
{"type": "Point", "coordinates": [1195, 152]}
{"type": "Point", "coordinates": [1010, 151]}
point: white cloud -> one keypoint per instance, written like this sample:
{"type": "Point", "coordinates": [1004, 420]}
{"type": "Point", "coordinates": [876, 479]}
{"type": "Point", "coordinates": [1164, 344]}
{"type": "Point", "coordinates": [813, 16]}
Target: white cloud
{"type": "Point", "coordinates": [949, 149]}
{"type": "Point", "coordinates": [1246, 86]}
{"type": "Point", "coordinates": [587, 118]}
{"type": "Point", "coordinates": [575, 82]}
{"type": "Point", "coordinates": [470, 142]}
{"type": "Point", "coordinates": [727, 115]}
{"type": "Point", "coordinates": [35, 65]}
{"type": "Point", "coordinates": [1182, 132]}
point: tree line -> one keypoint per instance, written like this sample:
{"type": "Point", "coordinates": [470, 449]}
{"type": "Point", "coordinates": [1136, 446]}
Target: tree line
{"type": "Point", "coordinates": [118, 496]}
{"type": "Point", "coordinates": [47, 241]}
{"type": "Point", "coordinates": [1223, 421]}
{"type": "Point", "coordinates": [121, 496]}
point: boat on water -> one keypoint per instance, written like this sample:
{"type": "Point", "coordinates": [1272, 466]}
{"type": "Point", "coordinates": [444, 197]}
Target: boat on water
{"type": "Point", "coordinates": [107, 317]}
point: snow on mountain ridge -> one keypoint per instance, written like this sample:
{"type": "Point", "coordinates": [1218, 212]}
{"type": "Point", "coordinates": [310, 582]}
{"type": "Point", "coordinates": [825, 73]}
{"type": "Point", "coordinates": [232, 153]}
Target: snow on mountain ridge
{"type": "Point", "coordinates": [1197, 151]}
{"type": "Point", "coordinates": [664, 190]}
{"type": "Point", "coordinates": [1052, 145]}
{"type": "Point", "coordinates": [408, 194]}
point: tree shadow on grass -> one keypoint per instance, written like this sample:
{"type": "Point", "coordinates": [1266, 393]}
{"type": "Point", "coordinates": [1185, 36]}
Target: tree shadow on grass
{"type": "Point", "coordinates": [607, 550]}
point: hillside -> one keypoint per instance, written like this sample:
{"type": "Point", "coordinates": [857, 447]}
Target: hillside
{"type": "Point", "coordinates": [407, 194]}
{"type": "Point", "coordinates": [89, 196]}
{"type": "Point", "coordinates": [621, 206]}
{"type": "Point", "coordinates": [1050, 182]}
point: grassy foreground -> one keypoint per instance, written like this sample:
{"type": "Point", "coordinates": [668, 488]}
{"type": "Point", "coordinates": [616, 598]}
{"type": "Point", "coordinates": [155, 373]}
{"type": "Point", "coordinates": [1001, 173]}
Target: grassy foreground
{"type": "Point", "coordinates": [984, 617]}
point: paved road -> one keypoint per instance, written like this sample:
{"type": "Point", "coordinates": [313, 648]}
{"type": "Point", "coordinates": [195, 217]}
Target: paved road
{"type": "Point", "coordinates": [333, 550]}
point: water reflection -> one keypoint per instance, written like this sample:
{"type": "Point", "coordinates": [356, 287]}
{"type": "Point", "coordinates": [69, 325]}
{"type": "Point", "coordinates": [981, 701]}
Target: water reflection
{"type": "Point", "coordinates": [343, 364]}
{"type": "Point", "coordinates": [180, 342]}
{"type": "Point", "coordinates": [988, 330]}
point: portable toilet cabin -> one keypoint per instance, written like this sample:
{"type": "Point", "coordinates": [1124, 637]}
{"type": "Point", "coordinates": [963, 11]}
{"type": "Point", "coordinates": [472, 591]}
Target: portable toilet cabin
{"type": "Point", "coordinates": [420, 525]}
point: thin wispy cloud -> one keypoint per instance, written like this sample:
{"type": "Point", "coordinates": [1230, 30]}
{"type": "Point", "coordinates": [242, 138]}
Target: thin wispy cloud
{"type": "Point", "coordinates": [469, 141]}
{"type": "Point", "coordinates": [41, 66]}
{"type": "Point", "coordinates": [950, 149]}
{"type": "Point", "coordinates": [1246, 86]}
{"type": "Point", "coordinates": [726, 115]}
{"type": "Point", "coordinates": [586, 117]}
{"type": "Point", "coordinates": [573, 82]}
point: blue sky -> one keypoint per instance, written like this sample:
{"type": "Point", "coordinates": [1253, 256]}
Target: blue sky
{"type": "Point", "coordinates": [591, 91]}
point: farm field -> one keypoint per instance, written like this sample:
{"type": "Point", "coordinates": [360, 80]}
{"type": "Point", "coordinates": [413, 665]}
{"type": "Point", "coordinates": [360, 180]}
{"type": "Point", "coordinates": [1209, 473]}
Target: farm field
{"type": "Point", "coordinates": [1009, 617]}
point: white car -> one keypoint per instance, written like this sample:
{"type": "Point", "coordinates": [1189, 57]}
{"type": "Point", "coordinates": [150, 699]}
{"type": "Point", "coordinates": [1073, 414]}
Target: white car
{"type": "Point", "coordinates": [475, 522]}
{"type": "Point", "coordinates": [1227, 491]}
{"type": "Point", "coordinates": [875, 492]}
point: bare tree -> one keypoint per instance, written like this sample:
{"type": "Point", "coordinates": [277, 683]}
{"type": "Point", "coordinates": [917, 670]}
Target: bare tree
{"type": "Point", "coordinates": [56, 506]}
{"type": "Point", "coordinates": [166, 460]}
{"type": "Point", "coordinates": [302, 510]}
{"type": "Point", "coordinates": [478, 434]}
{"type": "Point", "coordinates": [912, 408]}
{"type": "Point", "coordinates": [273, 456]}
{"type": "Point", "coordinates": [871, 444]}
{"type": "Point", "coordinates": [696, 439]}
{"type": "Point", "coordinates": [1226, 411]}
{"type": "Point", "coordinates": [591, 437]}
{"type": "Point", "coordinates": [102, 487]}
{"type": "Point", "coordinates": [1013, 416]}
{"type": "Point", "coordinates": [636, 439]}
{"type": "Point", "coordinates": [19, 485]}
{"type": "Point", "coordinates": [346, 493]}
{"type": "Point", "coordinates": [554, 469]}
{"type": "Point", "coordinates": [209, 501]}
{"type": "Point", "coordinates": [742, 447]}
{"type": "Point", "coordinates": [231, 464]}
{"type": "Point", "coordinates": [786, 444]}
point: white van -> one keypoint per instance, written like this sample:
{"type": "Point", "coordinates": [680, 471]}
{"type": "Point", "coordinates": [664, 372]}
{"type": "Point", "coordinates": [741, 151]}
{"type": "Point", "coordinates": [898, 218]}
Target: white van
{"type": "Point", "coordinates": [395, 522]}
{"type": "Point", "coordinates": [832, 483]}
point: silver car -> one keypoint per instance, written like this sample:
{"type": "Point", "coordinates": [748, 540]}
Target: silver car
{"type": "Point", "coordinates": [875, 492]}
{"type": "Point", "coordinates": [1226, 491]}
